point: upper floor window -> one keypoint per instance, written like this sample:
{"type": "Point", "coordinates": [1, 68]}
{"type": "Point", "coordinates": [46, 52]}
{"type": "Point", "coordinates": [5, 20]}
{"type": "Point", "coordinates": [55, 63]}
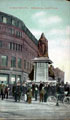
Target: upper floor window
{"type": "Point", "coordinates": [0, 27]}
{"type": "Point", "coordinates": [10, 46]}
{"type": "Point", "coordinates": [0, 44]}
{"type": "Point", "coordinates": [19, 24]}
{"type": "Point", "coordinates": [13, 31]}
{"type": "Point", "coordinates": [21, 34]}
{"type": "Point", "coordinates": [15, 46]}
{"type": "Point", "coordinates": [19, 62]}
{"type": "Point", "coordinates": [13, 22]}
{"type": "Point", "coordinates": [18, 34]}
{"type": "Point", "coordinates": [4, 60]}
{"type": "Point", "coordinates": [24, 64]}
{"type": "Point", "coordinates": [4, 20]}
{"type": "Point", "coordinates": [21, 47]}
{"type": "Point", "coordinates": [13, 61]}
{"type": "Point", "coordinates": [10, 30]}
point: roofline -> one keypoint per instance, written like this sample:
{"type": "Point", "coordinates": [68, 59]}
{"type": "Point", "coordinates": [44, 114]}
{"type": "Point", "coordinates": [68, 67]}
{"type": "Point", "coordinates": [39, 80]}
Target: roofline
{"type": "Point", "coordinates": [24, 28]}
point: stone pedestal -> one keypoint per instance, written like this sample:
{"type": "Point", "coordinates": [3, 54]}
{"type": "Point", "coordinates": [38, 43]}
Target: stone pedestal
{"type": "Point", "coordinates": [41, 69]}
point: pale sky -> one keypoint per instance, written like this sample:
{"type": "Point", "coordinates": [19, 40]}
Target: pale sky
{"type": "Point", "coordinates": [51, 17]}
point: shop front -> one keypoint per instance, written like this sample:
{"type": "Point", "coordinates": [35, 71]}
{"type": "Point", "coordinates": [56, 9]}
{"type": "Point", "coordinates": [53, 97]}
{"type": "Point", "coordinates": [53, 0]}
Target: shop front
{"type": "Point", "coordinates": [4, 78]}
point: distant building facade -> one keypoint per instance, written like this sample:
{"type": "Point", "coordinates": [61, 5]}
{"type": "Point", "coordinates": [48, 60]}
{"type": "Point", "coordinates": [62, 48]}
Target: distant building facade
{"type": "Point", "coordinates": [56, 73]}
{"type": "Point", "coordinates": [18, 47]}
{"type": "Point", "coordinates": [59, 75]}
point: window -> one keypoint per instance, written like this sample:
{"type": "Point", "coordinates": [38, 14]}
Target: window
{"type": "Point", "coordinates": [4, 78]}
{"type": "Point", "coordinates": [10, 46]}
{"type": "Point", "coordinates": [0, 44]}
{"type": "Point", "coordinates": [13, 61]}
{"type": "Point", "coordinates": [21, 47]}
{"type": "Point", "coordinates": [4, 20]}
{"type": "Point", "coordinates": [0, 27]}
{"type": "Point", "coordinates": [13, 79]}
{"type": "Point", "coordinates": [24, 64]}
{"type": "Point", "coordinates": [18, 47]}
{"type": "Point", "coordinates": [17, 33]}
{"type": "Point", "coordinates": [14, 46]}
{"type": "Point", "coordinates": [10, 30]}
{"type": "Point", "coordinates": [13, 31]}
{"type": "Point", "coordinates": [13, 22]}
{"type": "Point", "coordinates": [18, 78]}
{"type": "Point", "coordinates": [19, 24]}
{"type": "Point", "coordinates": [21, 34]}
{"type": "Point", "coordinates": [4, 60]}
{"type": "Point", "coordinates": [19, 62]}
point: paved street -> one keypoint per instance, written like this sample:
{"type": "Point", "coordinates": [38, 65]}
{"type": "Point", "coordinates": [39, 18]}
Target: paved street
{"type": "Point", "coordinates": [42, 111]}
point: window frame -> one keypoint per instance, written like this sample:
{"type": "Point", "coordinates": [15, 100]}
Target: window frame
{"type": "Point", "coordinates": [19, 62]}
{"type": "Point", "coordinates": [0, 44]}
{"type": "Point", "coordinates": [4, 62]}
{"type": "Point", "coordinates": [4, 19]}
{"type": "Point", "coordinates": [13, 61]}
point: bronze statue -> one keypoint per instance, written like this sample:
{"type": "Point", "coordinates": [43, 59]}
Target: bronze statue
{"type": "Point", "coordinates": [51, 72]}
{"type": "Point", "coordinates": [43, 46]}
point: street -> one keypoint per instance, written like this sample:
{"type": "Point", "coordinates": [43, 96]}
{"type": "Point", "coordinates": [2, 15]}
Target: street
{"type": "Point", "coordinates": [36, 110]}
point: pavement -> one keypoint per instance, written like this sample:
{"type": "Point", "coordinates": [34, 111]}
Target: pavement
{"type": "Point", "coordinates": [11, 110]}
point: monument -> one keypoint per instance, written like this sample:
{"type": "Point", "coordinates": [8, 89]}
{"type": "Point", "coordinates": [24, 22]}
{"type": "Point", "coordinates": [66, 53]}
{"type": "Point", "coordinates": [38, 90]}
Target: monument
{"type": "Point", "coordinates": [43, 46]}
{"type": "Point", "coordinates": [42, 61]}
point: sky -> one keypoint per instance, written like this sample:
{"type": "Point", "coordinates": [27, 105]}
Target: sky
{"type": "Point", "coordinates": [50, 17]}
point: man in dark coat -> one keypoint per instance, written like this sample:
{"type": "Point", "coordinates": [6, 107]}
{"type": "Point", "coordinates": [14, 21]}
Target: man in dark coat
{"type": "Point", "coordinates": [36, 93]}
{"type": "Point", "coordinates": [2, 88]}
{"type": "Point", "coordinates": [46, 93]}
{"type": "Point", "coordinates": [17, 92]}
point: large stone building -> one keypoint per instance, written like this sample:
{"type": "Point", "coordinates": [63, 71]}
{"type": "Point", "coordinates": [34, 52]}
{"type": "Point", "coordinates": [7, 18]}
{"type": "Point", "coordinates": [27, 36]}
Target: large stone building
{"type": "Point", "coordinates": [17, 47]}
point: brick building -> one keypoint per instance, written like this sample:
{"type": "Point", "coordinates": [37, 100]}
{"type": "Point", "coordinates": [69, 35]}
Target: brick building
{"type": "Point", "coordinates": [17, 47]}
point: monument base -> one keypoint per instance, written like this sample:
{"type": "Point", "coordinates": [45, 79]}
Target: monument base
{"type": "Point", "coordinates": [41, 69]}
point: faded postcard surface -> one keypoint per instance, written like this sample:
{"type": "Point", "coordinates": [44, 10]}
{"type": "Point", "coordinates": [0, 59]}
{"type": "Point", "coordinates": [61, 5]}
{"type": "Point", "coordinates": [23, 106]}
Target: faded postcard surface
{"type": "Point", "coordinates": [35, 59]}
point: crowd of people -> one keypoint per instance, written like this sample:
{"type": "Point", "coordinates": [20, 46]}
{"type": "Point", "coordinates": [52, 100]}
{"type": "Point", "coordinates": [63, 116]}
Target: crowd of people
{"type": "Point", "coordinates": [27, 91]}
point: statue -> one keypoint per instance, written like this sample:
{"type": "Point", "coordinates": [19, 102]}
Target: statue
{"type": "Point", "coordinates": [43, 46]}
{"type": "Point", "coordinates": [51, 72]}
